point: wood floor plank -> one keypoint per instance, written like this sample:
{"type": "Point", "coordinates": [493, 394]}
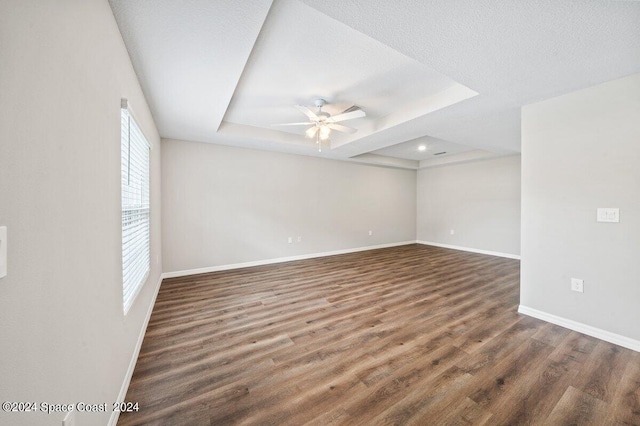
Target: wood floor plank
{"type": "Point", "coordinates": [426, 402]}
{"type": "Point", "coordinates": [551, 334]}
{"type": "Point", "coordinates": [509, 375]}
{"type": "Point", "coordinates": [538, 393]}
{"type": "Point", "coordinates": [625, 407]}
{"type": "Point", "coordinates": [405, 335]}
{"type": "Point", "coordinates": [578, 408]}
{"type": "Point", "coordinates": [576, 348]}
{"type": "Point", "coordinates": [603, 371]}
{"type": "Point", "coordinates": [464, 412]}
{"type": "Point", "coordinates": [408, 379]}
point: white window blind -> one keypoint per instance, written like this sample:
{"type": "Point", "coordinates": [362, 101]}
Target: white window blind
{"type": "Point", "coordinates": [135, 207]}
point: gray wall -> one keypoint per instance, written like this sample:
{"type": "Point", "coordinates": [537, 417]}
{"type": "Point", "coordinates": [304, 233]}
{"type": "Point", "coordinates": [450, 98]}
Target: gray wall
{"type": "Point", "coordinates": [581, 151]}
{"type": "Point", "coordinates": [224, 205]}
{"type": "Point", "coordinates": [63, 335]}
{"type": "Point", "coordinates": [480, 201]}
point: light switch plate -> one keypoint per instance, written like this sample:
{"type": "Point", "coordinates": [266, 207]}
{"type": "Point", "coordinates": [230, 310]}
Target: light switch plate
{"type": "Point", "coordinates": [608, 214]}
{"type": "Point", "coordinates": [3, 251]}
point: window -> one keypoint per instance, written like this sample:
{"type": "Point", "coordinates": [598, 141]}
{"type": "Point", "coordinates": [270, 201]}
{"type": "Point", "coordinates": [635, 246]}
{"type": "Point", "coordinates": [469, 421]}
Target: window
{"type": "Point", "coordinates": [135, 207]}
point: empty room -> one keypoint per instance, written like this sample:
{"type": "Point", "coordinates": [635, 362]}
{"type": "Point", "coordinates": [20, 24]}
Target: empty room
{"type": "Point", "coordinates": [289, 212]}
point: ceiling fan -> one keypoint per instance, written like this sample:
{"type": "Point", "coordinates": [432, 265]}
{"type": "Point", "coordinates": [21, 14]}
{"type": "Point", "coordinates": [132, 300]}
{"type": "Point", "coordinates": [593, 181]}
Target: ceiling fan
{"type": "Point", "coordinates": [322, 123]}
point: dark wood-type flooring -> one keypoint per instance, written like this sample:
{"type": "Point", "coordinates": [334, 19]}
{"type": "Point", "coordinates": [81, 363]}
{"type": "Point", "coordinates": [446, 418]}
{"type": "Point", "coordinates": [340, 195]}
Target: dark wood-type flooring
{"type": "Point", "coordinates": [412, 335]}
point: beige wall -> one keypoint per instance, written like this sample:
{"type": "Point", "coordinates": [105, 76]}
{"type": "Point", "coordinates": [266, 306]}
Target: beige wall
{"type": "Point", "coordinates": [63, 335]}
{"type": "Point", "coordinates": [581, 151]}
{"type": "Point", "coordinates": [224, 205]}
{"type": "Point", "coordinates": [479, 201]}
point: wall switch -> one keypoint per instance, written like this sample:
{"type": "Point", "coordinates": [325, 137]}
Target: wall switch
{"type": "Point", "coordinates": [370, 233]}
{"type": "Point", "coordinates": [452, 232]}
{"type": "Point", "coordinates": [577, 285]}
{"type": "Point", "coordinates": [290, 240]}
{"type": "Point", "coordinates": [3, 251]}
{"type": "Point", "coordinates": [608, 214]}
{"type": "Point", "coordinates": [69, 419]}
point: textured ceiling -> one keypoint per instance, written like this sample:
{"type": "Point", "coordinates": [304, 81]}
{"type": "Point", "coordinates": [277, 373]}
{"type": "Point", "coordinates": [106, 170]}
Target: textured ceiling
{"type": "Point", "coordinates": [188, 56]}
{"type": "Point", "coordinates": [224, 71]}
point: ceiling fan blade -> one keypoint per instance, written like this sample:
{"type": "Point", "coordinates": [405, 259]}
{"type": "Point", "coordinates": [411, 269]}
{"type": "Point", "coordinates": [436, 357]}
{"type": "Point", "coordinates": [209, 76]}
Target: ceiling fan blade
{"type": "Point", "coordinates": [306, 111]}
{"type": "Point", "coordinates": [294, 124]}
{"type": "Point", "coordinates": [346, 116]}
{"type": "Point", "coordinates": [341, 128]}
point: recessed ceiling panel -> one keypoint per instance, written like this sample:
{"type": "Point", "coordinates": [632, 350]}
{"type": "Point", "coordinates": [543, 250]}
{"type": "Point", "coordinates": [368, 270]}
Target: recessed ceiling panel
{"type": "Point", "coordinates": [302, 54]}
{"type": "Point", "coordinates": [433, 147]}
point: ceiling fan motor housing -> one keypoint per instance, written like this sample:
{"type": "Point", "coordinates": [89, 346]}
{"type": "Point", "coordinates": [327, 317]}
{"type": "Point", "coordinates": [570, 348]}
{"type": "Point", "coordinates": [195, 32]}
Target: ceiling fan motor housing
{"type": "Point", "coordinates": [322, 116]}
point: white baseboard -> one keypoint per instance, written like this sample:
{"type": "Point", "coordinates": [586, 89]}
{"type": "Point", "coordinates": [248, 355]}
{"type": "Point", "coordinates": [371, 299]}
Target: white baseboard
{"type": "Point", "coordinates": [582, 328]}
{"type": "Point", "coordinates": [183, 273]}
{"type": "Point", "coordinates": [113, 420]}
{"type": "Point", "coordinates": [473, 250]}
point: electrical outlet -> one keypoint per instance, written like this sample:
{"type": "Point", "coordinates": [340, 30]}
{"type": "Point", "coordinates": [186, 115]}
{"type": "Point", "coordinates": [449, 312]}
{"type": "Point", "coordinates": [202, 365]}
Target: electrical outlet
{"type": "Point", "coordinates": [608, 214]}
{"type": "Point", "coordinates": [290, 240]}
{"type": "Point", "coordinates": [299, 239]}
{"type": "Point", "coordinates": [452, 232]}
{"type": "Point", "coordinates": [370, 233]}
{"type": "Point", "coordinates": [69, 419]}
{"type": "Point", "coordinates": [577, 285]}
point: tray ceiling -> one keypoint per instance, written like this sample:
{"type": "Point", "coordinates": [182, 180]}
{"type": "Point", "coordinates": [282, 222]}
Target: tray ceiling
{"type": "Point", "coordinates": [452, 72]}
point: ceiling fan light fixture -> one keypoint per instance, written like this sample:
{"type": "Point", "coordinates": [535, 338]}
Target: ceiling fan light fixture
{"type": "Point", "coordinates": [311, 131]}
{"type": "Point", "coordinates": [324, 132]}
{"type": "Point", "coordinates": [322, 122]}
